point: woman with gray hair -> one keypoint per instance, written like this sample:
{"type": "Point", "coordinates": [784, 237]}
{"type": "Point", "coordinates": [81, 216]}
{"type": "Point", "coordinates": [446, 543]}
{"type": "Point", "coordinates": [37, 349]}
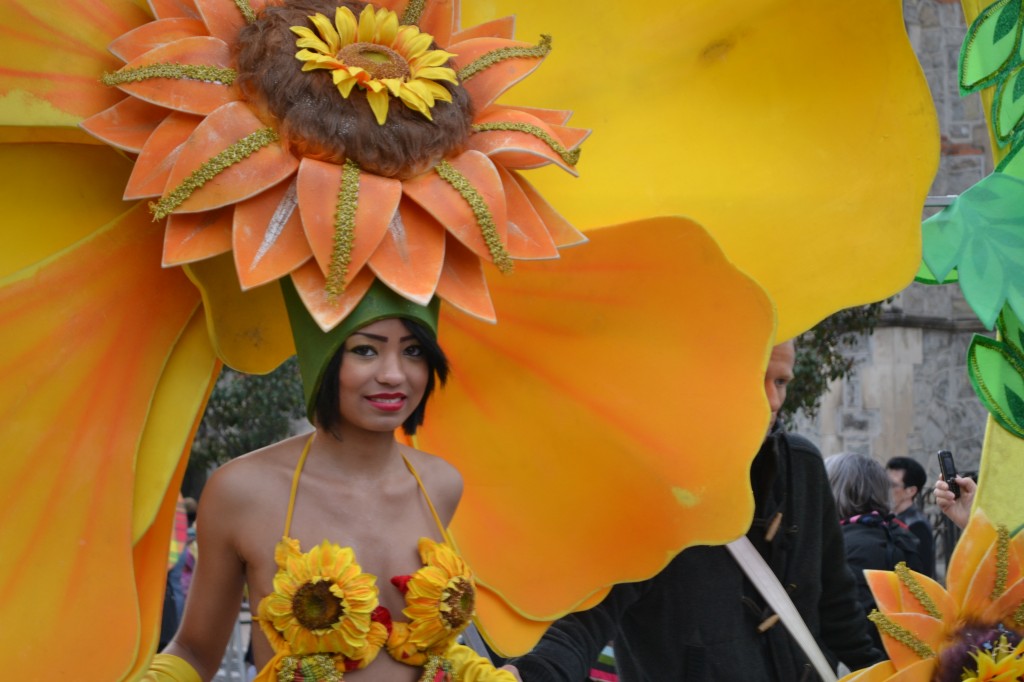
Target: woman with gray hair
{"type": "Point", "coordinates": [873, 537]}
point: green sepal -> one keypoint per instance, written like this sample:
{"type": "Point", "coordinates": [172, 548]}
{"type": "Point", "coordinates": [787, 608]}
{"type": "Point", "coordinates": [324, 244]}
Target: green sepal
{"type": "Point", "coordinates": [925, 276]}
{"type": "Point", "coordinates": [1008, 107]}
{"type": "Point", "coordinates": [991, 45]}
{"type": "Point", "coordinates": [1011, 331]}
{"type": "Point", "coordinates": [1013, 163]}
{"type": "Point", "coordinates": [996, 371]}
{"type": "Point", "coordinates": [981, 234]}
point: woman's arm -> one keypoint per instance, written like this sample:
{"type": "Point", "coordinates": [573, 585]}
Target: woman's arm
{"type": "Point", "coordinates": [215, 594]}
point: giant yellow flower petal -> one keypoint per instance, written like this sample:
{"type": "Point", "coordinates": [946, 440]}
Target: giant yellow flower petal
{"type": "Point", "coordinates": [801, 134]}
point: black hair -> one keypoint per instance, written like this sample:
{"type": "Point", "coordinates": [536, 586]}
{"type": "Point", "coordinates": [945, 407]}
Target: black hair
{"type": "Point", "coordinates": [913, 472]}
{"type": "Point", "coordinates": [328, 407]}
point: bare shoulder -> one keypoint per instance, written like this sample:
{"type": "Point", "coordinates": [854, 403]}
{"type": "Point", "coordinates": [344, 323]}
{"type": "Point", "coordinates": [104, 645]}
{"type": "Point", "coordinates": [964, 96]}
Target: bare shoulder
{"type": "Point", "coordinates": [442, 481]}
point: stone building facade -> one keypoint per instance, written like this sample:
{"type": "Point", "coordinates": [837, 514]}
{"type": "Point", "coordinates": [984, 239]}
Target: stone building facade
{"type": "Point", "coordinates": [910, 394]}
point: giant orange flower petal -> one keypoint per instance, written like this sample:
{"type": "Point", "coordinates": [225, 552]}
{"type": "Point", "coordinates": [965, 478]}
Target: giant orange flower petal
{"type": "Point", "coordinates": [747, 117]}
{"type": "Point", "coordinates": [127, 124]}
{"type": "Point", "coordinates": [496, 28]}
{"type": "Point", "coordinates": [591, 309]}
{"type": "Point", "coordinates": [485, 86]}
{"type": "Point", "coordinates": [65, 487]}
{"type": "Point", "coordinates": [194, 236]}
{"type": "Point", "coordinates": [528, 236]}
{"type": "Point", "coordinates": [516, 148]}
{"type": "Point", "coordinates": [224, 18]}
{"type": "Point", "coordinates": [462, 282]}
{"type": "Point", "coordinates": [893, 596]}
{"type": "Point", "coordinates": [154, 34]}
{"type": "Point", "coordinates": [310, 283]}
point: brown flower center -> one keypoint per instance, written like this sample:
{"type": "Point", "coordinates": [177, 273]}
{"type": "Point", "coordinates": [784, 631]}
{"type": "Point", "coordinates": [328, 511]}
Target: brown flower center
{"type": "Point", "coordinates": [460, 598]}
{"type": "Point", "coordinates": [316, 607]}
{"type": "Point", "coordinates": [379, 61]}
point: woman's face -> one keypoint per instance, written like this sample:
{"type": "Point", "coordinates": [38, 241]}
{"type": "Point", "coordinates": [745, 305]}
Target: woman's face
{"type": "Point", "coordinates": [383, 376]}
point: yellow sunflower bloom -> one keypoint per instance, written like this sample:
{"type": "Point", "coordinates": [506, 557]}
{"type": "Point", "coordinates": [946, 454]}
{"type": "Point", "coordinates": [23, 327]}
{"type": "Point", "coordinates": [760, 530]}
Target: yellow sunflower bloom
{"type": "Point", "coordinates": [322, 602]}
{"type": "Point", "coordinates": [974, 630]}
{"type": "Point", "coordinates": [379, 56]}
{"type": "Point", "coordinates": [440, 597]}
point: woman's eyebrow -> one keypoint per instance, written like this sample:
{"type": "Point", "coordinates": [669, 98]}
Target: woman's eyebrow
{"type": "Point", "coordinates": [384, 339]}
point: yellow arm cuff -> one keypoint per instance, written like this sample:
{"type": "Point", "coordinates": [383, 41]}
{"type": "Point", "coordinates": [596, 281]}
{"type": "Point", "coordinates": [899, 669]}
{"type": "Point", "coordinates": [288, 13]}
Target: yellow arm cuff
{"type": "Point", "coordinates": [470, 667]}
{"type": "Point", "coordinates": [168, 668]}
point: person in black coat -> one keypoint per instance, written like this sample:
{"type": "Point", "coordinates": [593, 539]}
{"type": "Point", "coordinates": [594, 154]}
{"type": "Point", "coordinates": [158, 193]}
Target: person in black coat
{"type": "Point", "coordinates": [874, 538]}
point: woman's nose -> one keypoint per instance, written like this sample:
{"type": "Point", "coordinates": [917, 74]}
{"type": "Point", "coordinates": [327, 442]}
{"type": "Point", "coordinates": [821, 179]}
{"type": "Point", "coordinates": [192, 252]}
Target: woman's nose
{"type": "Point", "coordinates": [390, 371]}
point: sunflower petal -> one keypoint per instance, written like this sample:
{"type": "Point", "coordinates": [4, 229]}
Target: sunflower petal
{"type": "Point", "coordinates": [223, 18]}
{"type": "Point", "coordinates": [159, 154]}
{"type": "Point", "coordinates": [154, 34]}
{"type": "Point", "coordinates": [194, 236]}
{"type": "Point", "coordinates": [462, 282]}
{"type": "Point", "coordinates": [496, 28]}
{"type": "Point", "coordinates": [312, 288]}
{"type": "Point", "coordinates": [267, 237]}
{"type": "Point", "coordinates": [126, 125]}
{"type": "Point", "coordinates": [558, 227]}
{"type": "Point", "coordinates": [490, 83]}
{"type": "Point", "coordinates": [411, 254]}
{"type": "Point", "coordinates": [528, 236]}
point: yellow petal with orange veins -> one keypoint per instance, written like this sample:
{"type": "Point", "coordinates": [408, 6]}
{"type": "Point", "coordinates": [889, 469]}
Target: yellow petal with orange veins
{"type": "Point", "coordinates": [528, 236]}
{"type": "Point", "coordinates": [84, 473]}
{"type": "Point", "coordinates": [411, 254]}
{"type": "Point", "coordinates": [319, 184]}
{"type": "Point", "coordinates": [267, 237]}
{"type": "Point", "coordinates": [126, 125]}
{"type": "Point", "coordinates": [580, 309]}
{"type": "Point", "coordinates": [159, 154]}
{"type": "Point", "coordinates": [558, 227]}
{"type": "Point", "coordinates": [134, 44]}
{"type": "Point", "coordinates": [487, 85]}
{"type": "Point", "coordinates": [194, 236]}
{"type": "Point", "coordinates": [462, 282]}
{"type": "Point", "coordinates": [53, 55]}
{"type": "Point", "coordinates": [453, 211]}
{"type": "Point", "coordinates": [185, 94]}
{"type": "Point", "coordinates": [248, 177]}
{"type": "Point", "coordinates": [249, 330]}
{"type": "Point", "coordinates": [164, 9]}
{"type": "Point", "coordinates": [496, 28]}
{"type": "Point", "coordinates": [327, 311]}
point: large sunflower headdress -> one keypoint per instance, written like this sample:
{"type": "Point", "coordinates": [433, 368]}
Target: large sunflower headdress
{"type": "Point", "coordinates": [334, 143]}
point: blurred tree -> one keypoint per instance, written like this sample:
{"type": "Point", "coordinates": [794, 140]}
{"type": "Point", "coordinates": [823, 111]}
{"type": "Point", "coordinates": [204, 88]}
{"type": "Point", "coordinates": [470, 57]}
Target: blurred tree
{"type": "Point", "coordinates": [820, 357]}
{"type": "Point", "coordinates": [246, 412]}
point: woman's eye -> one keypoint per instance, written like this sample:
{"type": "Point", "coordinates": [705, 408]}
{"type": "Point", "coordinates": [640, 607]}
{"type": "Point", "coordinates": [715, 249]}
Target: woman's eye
{"type": "Point", "coordinates": [414, 351]}
{"type": "Point", "coordinates": [362, 350]}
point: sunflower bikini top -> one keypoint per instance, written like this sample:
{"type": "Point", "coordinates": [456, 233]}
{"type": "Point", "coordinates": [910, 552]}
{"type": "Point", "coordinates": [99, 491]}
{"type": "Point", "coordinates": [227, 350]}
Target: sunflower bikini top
{"type": "Point", "coordinates": [323, 616]}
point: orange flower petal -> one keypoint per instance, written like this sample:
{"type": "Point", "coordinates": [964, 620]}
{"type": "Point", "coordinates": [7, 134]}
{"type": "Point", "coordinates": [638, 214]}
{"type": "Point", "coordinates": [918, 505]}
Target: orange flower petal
{"type": "Point", "coordinates": [159, 154]}
{"type": "Point", "coordinates": [185, 94]}
{"type": "Point", "coordinates": [311, 285]}
{"type": "Point", "coordinates": [452, 211]}
{"type": "Point", "coordinates": [929, 630]}
{"type": "Point", "coordinates": [892, 596]}
{"type": "Point", "coordinates": [558, 227]}
{"type": "Point", "coordinates": [580, 312]}
{"type": "Point", "coordinates": [154, 34]}
{"type": "Point", "coordinates": [528, 236]}
{"type": "Point", "coordinates": [267, 237]}
{"type": "Point", "coordinates": [319, 184]}
{"type": "Point", "coordinates": [516, 149]}
{"type": "Point", "coordinates": [462, 282]}
{"type": "Point", "coordinates": [555, 117]}
{"type": "Point", "coordinates": [496, 28]}
{"type": "Point", "coordinates": [411, 254]}
{"type": "Point", "coordinates": [195, 236]}
{"type": "Point", "coordinates": [489, 84]}
{"type": "Point", "coordinates": [1002, 609]}
{"type": "Point", "coordinates": [247, 178]}
{"type": "Point", "coordinates": [126, 125]}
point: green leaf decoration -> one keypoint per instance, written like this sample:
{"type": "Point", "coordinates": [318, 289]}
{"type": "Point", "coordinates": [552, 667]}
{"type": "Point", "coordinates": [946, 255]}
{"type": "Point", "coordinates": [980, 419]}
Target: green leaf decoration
{"type": "Point", "coordinates": [1011, 332]}
{"type": "Point", "coordinates": [925, 276]}
{"type": "Point", "coordinates": [1012, 163]}
{"type": "Point", "coordinates": [991, 45]}
{"type": "Point", "coordinates": [1008, 106]}
{"type": "Point", "coordinates": [996, 371]}
{"type": "Point", "coordinates": [981, 235]}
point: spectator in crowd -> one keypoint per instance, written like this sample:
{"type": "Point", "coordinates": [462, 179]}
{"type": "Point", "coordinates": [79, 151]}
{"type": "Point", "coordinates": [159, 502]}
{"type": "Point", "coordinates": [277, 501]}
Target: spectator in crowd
{"type": "Point", "coordinates": [908, 480]}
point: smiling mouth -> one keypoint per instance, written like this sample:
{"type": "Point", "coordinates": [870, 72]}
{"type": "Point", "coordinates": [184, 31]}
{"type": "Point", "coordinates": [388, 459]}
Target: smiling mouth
{"type": "Point", "coordinates": [389, 402]}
